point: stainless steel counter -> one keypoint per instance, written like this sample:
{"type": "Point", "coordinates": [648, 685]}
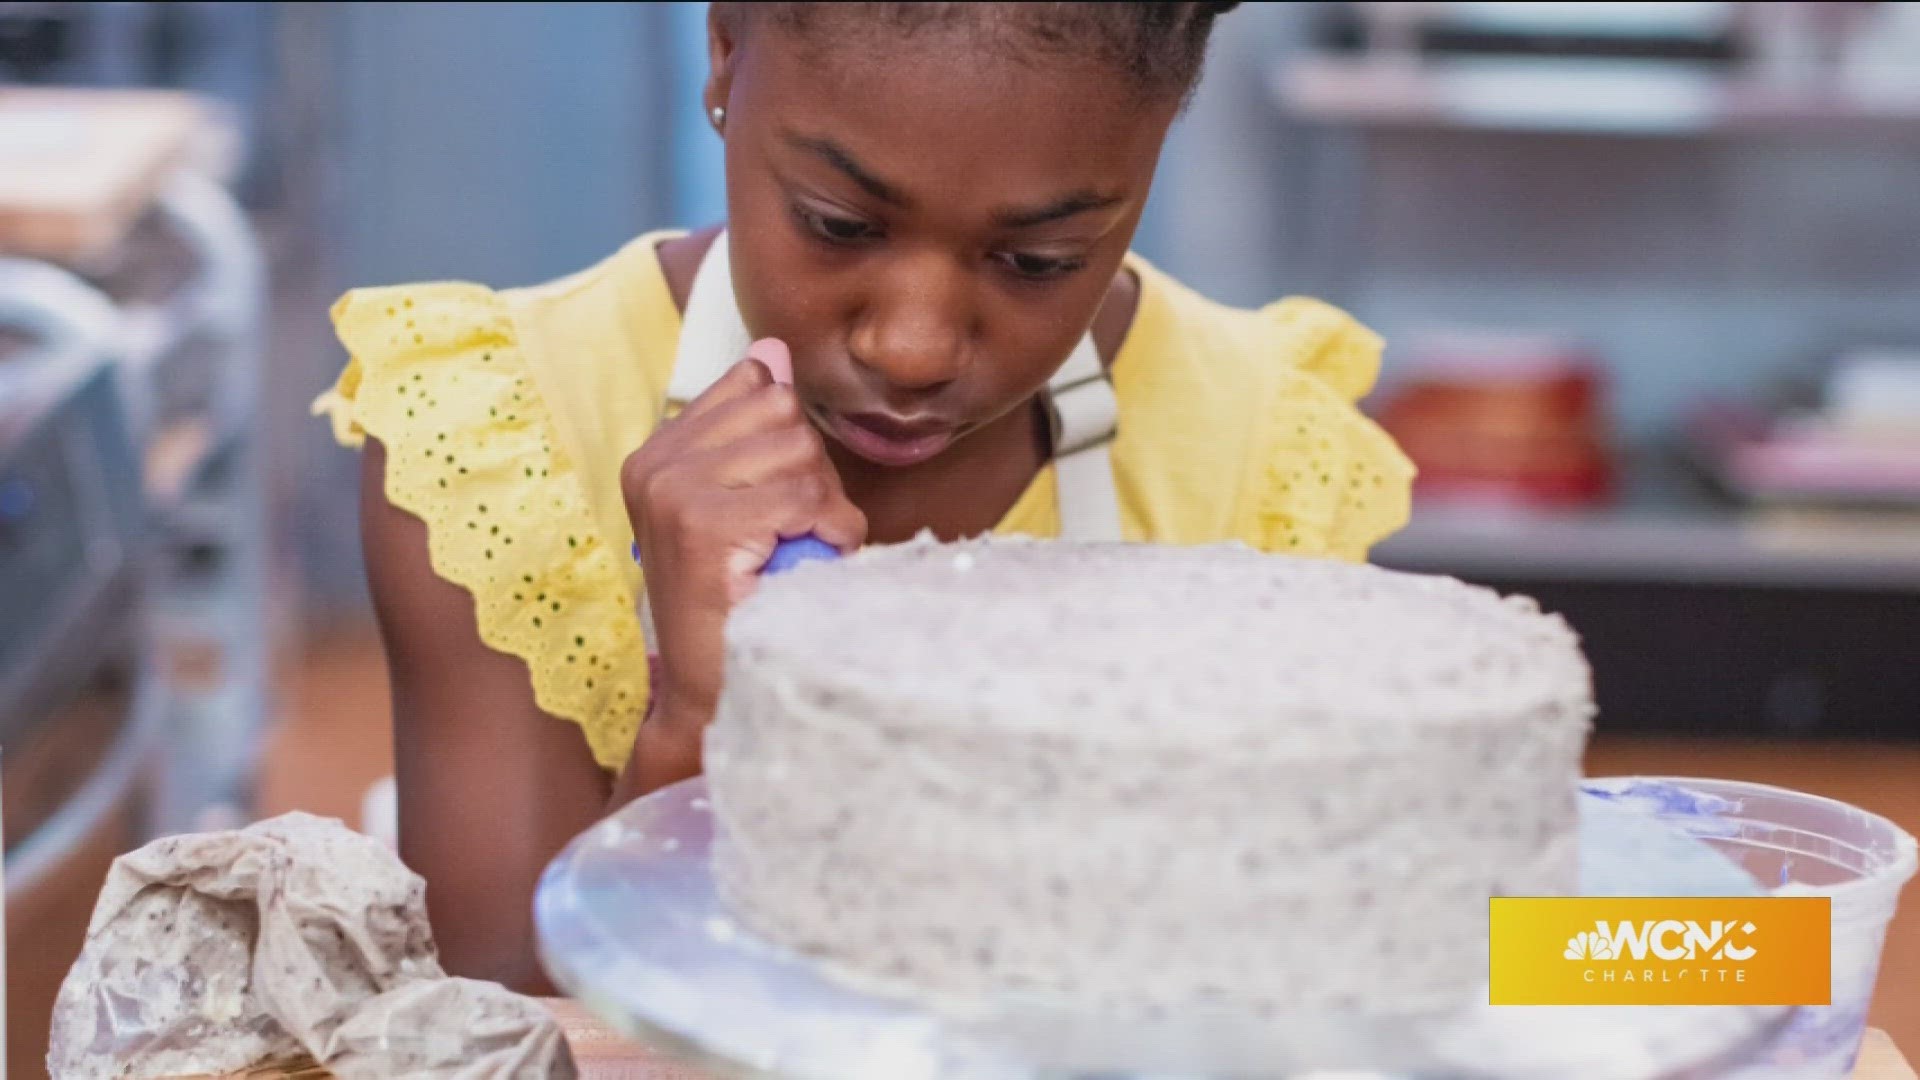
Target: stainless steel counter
{"type": "Point", "coordinates": [1697, 546]}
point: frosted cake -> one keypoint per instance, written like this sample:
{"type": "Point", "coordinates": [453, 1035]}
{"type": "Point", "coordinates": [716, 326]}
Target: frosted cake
{"type": "Point", "coordinates": [1133, 776]}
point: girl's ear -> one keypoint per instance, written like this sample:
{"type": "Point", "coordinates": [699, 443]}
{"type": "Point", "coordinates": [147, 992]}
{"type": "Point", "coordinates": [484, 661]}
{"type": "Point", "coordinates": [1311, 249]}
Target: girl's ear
{"type": "Point", "coordinates": [723, 41]}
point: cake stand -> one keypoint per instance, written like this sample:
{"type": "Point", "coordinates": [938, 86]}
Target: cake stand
{"type": "Point", "coordinates": [630, 926]}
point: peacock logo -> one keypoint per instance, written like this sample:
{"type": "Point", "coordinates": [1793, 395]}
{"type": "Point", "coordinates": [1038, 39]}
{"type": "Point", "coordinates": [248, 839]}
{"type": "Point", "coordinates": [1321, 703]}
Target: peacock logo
{"type": "Point", "coordinates": [1589, 945]}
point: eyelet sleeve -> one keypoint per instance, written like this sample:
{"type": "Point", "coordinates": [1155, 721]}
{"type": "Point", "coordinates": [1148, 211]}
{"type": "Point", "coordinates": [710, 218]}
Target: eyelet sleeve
{"type": "Point", "coordinates": [1329, 481]}
{"type": "Point", "coordinates": [437, 375]}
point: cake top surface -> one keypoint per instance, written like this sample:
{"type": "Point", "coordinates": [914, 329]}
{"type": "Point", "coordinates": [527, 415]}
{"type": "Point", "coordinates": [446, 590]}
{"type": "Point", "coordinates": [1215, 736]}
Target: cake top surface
{"type": "Point", "coordinates": [1038, 635]}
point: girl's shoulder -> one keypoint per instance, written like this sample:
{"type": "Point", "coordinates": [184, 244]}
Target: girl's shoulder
{"type": "Point", "coordinates": [505, 415]}
{"type": "Point", "coordinates": [1174, 323]}
{"type": "Point", "coordinates": [605, 331]}
{"type": "Point", "coordinates": [1253, 419]}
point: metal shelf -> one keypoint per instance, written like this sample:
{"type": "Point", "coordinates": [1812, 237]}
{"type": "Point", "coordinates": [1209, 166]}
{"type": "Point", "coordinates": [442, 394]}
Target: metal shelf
{"type": "Point", "coordinates": [1698, 546]}
{"type": "Point", "coordinates": [204, 491]}
{"type": "Point", "coordinates": [1564, 96]}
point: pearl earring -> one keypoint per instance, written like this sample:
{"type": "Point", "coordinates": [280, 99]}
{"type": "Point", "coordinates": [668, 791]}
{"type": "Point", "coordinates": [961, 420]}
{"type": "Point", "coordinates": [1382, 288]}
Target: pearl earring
{"type": "Point", "coordinates": [719, 115]}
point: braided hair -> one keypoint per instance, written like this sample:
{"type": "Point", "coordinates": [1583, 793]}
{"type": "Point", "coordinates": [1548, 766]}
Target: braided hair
{"type": "Point", "coordinates": [1159, 47]}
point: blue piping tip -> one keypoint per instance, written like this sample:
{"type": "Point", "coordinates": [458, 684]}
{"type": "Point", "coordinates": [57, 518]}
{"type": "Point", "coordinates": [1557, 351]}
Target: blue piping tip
{"type": "Point", "coordinates": [791, 553]}
{"type": "Point", "coordinates": [788, 553]}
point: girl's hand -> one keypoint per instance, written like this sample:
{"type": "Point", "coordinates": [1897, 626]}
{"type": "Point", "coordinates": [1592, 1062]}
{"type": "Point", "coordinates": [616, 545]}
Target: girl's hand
{"type": "Point", "coordinates": [709, 495]}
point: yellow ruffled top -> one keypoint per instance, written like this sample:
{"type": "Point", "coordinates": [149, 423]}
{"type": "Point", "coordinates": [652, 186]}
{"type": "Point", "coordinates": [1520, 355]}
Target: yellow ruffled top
{"type": "Point", "coordinates": [506, 416]}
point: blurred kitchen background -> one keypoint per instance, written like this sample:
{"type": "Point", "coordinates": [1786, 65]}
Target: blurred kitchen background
{"type": "Point", "coordinates": [1649, 272]}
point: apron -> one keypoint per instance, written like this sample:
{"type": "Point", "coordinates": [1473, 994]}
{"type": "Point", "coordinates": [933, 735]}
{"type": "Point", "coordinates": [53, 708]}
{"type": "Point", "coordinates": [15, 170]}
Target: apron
{"type": "Point", "coordinates": [1081, 406]}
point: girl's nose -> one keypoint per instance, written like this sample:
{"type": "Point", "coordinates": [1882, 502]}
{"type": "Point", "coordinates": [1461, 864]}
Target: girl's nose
{"type": "Point", "coordinates": [912, 332]}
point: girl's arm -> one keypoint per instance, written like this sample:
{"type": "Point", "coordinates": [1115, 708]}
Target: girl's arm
{"type": "Point", "coordinates": [491, 788]}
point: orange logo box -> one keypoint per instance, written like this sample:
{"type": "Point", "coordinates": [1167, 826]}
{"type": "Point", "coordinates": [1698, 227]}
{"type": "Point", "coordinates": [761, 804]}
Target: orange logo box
{"type": "Point", "coordinates": [1775, 950]}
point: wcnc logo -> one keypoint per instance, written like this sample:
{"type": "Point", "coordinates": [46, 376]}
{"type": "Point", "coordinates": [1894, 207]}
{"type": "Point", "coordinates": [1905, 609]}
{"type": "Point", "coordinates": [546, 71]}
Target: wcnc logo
{"type": "Point", "coordinates": [1660, 950]}
{"type": "Point", "coordinates": [1668, 939]}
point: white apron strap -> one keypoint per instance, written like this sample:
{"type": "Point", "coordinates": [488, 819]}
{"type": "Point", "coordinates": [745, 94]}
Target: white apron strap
{"type": "Point", "coordinates": [713, 336]}
{"type": "Point", "coordinates": [1085, 416]}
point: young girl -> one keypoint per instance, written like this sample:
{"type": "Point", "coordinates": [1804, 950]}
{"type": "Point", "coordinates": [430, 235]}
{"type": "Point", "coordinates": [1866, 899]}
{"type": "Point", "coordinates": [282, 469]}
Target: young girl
{"type": "Point", "coordinates": [929, 208]}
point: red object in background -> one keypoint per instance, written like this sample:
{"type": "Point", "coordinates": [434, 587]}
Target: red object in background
{"type": "Point", "coordinates": [1503, 419]}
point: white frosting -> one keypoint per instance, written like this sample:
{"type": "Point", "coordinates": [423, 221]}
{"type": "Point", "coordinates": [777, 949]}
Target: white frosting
{"type": "Point", "coordinates": [1143, 776]}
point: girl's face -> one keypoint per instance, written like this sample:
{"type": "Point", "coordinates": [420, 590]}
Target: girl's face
{"type": "Point", "coordinates": [930, 230]}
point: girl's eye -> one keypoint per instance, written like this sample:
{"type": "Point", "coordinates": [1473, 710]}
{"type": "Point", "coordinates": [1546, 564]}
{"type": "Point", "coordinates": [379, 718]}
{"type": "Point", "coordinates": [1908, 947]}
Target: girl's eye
{"type": "Point", "coordinates": [833, 229]}
{"type": "Point", "coordinates": [1038, 267]}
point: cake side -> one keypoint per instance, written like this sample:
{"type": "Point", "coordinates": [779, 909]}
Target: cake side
{"type": "Point", "coordinates": [1129, 836]}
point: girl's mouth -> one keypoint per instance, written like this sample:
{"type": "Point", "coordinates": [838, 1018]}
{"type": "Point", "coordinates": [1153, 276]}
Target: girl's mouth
{"type": "Point", "coordinates": [889, 440]}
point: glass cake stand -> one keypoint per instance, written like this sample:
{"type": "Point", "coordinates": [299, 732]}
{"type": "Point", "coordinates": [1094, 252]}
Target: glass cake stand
{"type": "Point", "coordinates": [630, 926]}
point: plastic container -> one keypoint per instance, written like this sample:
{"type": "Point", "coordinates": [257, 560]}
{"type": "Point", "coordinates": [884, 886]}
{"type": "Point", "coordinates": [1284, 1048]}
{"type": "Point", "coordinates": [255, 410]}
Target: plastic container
{"type": "Point", "coordinates": [1798, 844]}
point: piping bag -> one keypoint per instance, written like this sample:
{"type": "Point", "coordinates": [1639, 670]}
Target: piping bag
{"type": "Point", "coordinates": [792, 551]}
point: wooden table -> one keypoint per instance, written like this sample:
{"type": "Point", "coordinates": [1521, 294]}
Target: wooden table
{"type": "Point", "coordinates": [1881, 1060]}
